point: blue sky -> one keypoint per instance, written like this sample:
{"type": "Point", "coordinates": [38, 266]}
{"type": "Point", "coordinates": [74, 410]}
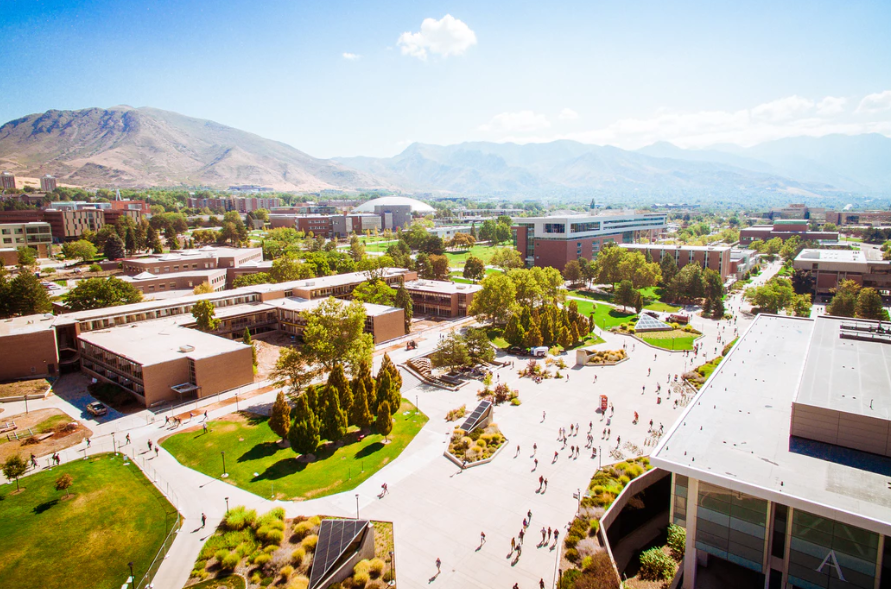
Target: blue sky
{"type": "Point", "coordinates": [626, 73]}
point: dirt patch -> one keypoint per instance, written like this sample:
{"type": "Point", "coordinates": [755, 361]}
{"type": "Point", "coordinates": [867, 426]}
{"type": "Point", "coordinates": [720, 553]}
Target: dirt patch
{"type": "Point", "coordinates": [21, 388]}
{"type": "Point", "coordinates": [42, 422]}
{"type": "Point", "coordinates": [268, 349]}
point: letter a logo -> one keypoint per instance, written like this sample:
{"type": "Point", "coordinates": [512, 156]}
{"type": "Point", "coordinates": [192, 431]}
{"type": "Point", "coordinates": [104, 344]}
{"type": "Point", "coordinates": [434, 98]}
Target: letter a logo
{"type": "Point", "coordinates": [833, 564]}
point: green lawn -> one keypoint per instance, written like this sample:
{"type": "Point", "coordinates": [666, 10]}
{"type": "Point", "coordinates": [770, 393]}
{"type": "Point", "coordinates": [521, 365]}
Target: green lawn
{"type": "Point", "coordinates": [670, 340]}
{"type": "Point", "coordinates": [606, 316]}
{"type": "Point", "coordinates": [662, 307]}
{"type": "Point", "coordinates": [706, 369]}
{"type": "Point", "coordinates": [483, 252]}
{"type": "Point", "coordinates": [251, 447]}
{"type": "Point", "coordinates": [496, 337]}
{"type": "Point", "coordinates": [115, 516]}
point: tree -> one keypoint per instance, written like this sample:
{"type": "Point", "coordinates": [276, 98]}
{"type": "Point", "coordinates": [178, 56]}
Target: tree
{"type": "Point", "coordinates": [291, 369]}
{"type": "Point", "coordinates": [495, 300]}
{"type": "Point", "coordinates": [474, 268]}
{"type": "Point", "coordinates": [246, 340]}
{"type": "Point", "coordinates": [63, 483]}
{"type": "Point", "coordinates": [776, 294]}
{"type": "Point", "coordinates": [280, 416]}
{"type": "Point", "coordinates": [360, 414]}
{"type": "Point", "coordinates": [462, 241]}
{"type": "Point", "coordinates": [625, 294]}
{"type": "Point", "coordinates": [502, 233]}
{"type": "Point", "coordinates": [304, 432]}
{"type": "Point", "coordinates": [507, 258]}
{"type": "Point", "coordinates": [609, 260]}
{"type": "Point", "coordinates": [289, 267]}
{"type": "Point", "coordinates": [439, 266]}
{"type": "Point", "coordinates": [357, 248]}
{"type": "Point", "coordinates": [335, 333]}
{"type": "Point", "coordinates": [27, 296]}
{"type": "Point", "coordinates": [512, 331]}
{"type": "Point", "coordinates": [451, 352]}
{"type": "Point", "coordinates": [844, 302]}
{"type": "Point", "coordinates": [205, 315]}
{"type": "Point", "coordinates": [403, 301]}
{"type": "Point", "coordinates": [478, 346]}
{"type": "Point", "coordinates": [153, 240]}
{"type": "Point", "coordinates": [395, 378]}
{"type": "Point", "coordinates": [334, 419]}
{"type": "Point", "coordinates": [869, 305]}
{"type": "Point", "coordinates": [250, 279]}
{"type": "Point", "coordinates": [717, 305]}
{"type": "Point", "coordinates": [27, 256]}
{"type": "Point", "coordinates": [114, 247]}
{"type": "Point", "coordinates": [384, 422]}
{"type": "Point", "coordinates": [80, 249]}
{"type": "Point", "coordinates": [377, 292]}
{"type": "Point", "coordinates": [203, 288]}
{"type": "Point", "coordinates": [338, 382]}
{"type": "Point", "coordinates": [533, 336]}
{"type": "Point", "coordinates": [572, 271]}
{"type": "Point", "coordinates": [487, 231]}
{"type": "Point", "coordinates": [97, 293]}
{"type": "Point", "coordinates": [14, 467]}
{"type": "Point", "coordinates": [801, 305]}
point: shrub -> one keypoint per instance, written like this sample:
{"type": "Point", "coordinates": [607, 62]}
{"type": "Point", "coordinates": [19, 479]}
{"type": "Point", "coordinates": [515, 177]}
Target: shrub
{"type": "Point", "coordinates": [95, 268]}
{"type": "Point", "coordinates": [624, 480]}
{"type": "Point", "coordinates": [361, 579]}
{"type": "Point", "coordinates": [309, 543]}
{"type": "Point", "coordinates": [298, 556]}
{"type": "Point", "coordinates": [567, 581]}
{"type": "Point", "coordinates": [677, 540]}
{"type": "Point", "coordinates": [299, 582]}
{"type": "Point", "coordinates": [572, 555]}
{"type": "Point", "coordinates": [275, 537]}
{"type": "Point", "coordinates": [301, 530]}
{"type": "Point", "coordinates": [199, 574]}
{"type": "Point", "coordinates": [572, 541]}
{"type": "Point", "coordinates": [363, 566]}
{"type": "Point", "coordinates": [221, 554]}
{"type": "Point", "coordinates": [688, 328]}
{"type": "Point", "coordinates": [593, 527]}
{"type": "Point", "coordinates": [256, 578]}
{"type": "Point", "coordinates": [632, 330]}
{"type": "Point", "coordinates": [230, 561]}
{"type": "Point", "coordinates": [315, 520]}
{"type": "Point", "coordinates": [286, 571]}
{"type": "Point", "coordinates": [655, 565]}
{"type": "Point", "coordinates": [270, 549]}
{"type": "Point", "coordinates": [239, 518]}
{"type": "Point", "coordinates": [515, 402]}
{"type": "Point", "coordinates": [262, 559]}
{"type": "Point", "coordinates": [377, 567]}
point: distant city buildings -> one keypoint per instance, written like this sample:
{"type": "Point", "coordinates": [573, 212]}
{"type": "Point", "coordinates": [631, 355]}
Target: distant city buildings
{"type": "Point", "coordinates": [238, 204]}
{"type": "Point", "coordinates": [555, 240]}
{"type": "Point", "coordinates": [829, 267]}
{"type": "Point", "coordinates": [7, 181]}
{"type": "Point", "coordinates": [36, 235]}
{"type": "Point", "coordinates": [69, 219]}
{"type": "Point", "coordinates": [714, 257]}
{"type": "Point", "coordinates": [843, 218]}
{"type": "Point", "coordinates": [784, 229]}
{"type": "Point", "coordinates": [48, 183]}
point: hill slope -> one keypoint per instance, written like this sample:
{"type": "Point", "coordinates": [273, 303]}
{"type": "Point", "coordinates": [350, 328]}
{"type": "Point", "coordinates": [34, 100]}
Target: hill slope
{"type": "Point", "coordinates": [129, 147]}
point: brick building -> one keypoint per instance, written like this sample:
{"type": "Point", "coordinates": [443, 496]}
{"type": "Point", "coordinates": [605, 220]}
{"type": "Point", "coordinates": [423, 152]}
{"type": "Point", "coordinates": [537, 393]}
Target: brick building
{"type": "Point", "coordinates": [35, 234]}
{"type": "Point", "coordinates": [716, 258]}
{"type": "Point", "coordinates": [48, 183]}
{"type": "Point", "coordinates": [185, 263]}
{"type": "Point", "coordinates": [829, 267]}
{"type": "Point", "coordinates": [7, 181]}
{"type": "Point", "coordinates": [328, 226]}
{"type": "Point", "coordinates": [441, 299]}
{"type": "Point", "coordinates": [69, 220]}
{"type": "Point", "coordinates": [784, 229]}
{"type": "Point", "coordinates": [28, 347]}
{"type": "Point", "coordinates": [841, 218]}
{"type": "Point", "coordinates": [554, 241]}
{"type": "Point", "coordinates": [238, 204]}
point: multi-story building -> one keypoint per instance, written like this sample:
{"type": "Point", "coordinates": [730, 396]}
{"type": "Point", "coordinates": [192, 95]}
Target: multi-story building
{"type": "Point", "coordinates": [714, 257]}
{"type": "Point", "coordinates": [798, 211]}
{"type": "Point", "coordinates": [7, 181]}
{"type": "Point", "coordinates": [780, 463]}
{"type": "Point", "coordinates": [381, 321]}
{"type": "Point", "coordinates": [190, 264]}
{"type": "Point", "coordinates": [241, 205]}
{"type": "Point", "coordinates": [554, 241]}
{"type": "Point", "coordinates": [842, 218]}
{"type": "Point", "coordinates": [441, 299]}
{"type": "Point", "coordinates": [328, 226]}
{"type": "Point", "coordinates": [70, 224]}
{"type": "Point", "coordinates": [131, 205]}
{"type": "Point", "coordinates": [177, 282]}
{"type": "Point", "coordinates": [66, 205]}
{"type": "Point", "coordinates": [829, 267]}
{"type": "Point", "coordinates": [784, 229]}
{"type": "Point", "coordinates": [36, 235]}
{"type": "Point", "coordinates": [48, 183]}
{"type": "Point", "coordinates": [29, 347]}
{"type": "Point", "coordinates": [306, 208]}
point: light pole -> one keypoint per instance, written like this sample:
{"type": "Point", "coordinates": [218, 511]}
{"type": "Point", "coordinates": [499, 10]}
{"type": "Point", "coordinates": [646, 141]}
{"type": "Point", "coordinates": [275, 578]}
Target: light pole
{"type": "Point", "coordinates": [132, 576]}
{"type": "Point", "coordinates": [114, 444]}
{"type": "Point", "coordinates": [392, 570]}
{"type": "Point", "coordinates": [600, 457]}
{"type": "Point", "coordinates": [236, 402]}
{"type": "Point", "coordinates": [225, 474]}
{"type": "Point", "coordinates": [26, 403]}
{"type": "Point", "coordinates": [227, 504]}
{"type": "Point", "coordinates": [357, 506]}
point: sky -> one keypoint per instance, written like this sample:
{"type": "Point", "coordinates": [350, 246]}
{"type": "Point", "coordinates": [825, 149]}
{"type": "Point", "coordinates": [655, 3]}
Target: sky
{"type": "Point", "coordinates": [338, 78]}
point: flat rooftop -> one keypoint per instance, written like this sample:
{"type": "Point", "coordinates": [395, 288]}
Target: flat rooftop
{"type": "Point", "coordinates": [735, 432]}
{"type": "Point", "coordinates": [207, 251]}
{"type": "Point", "coordinates": [301, 305]}
{"type": "Point", "coordinates": [155, 342]}
{"type": "Point", "coordinates": [143, 276]}
{"type": "Point", "coordinates": [683, 248]}
{"type": "Point", "coordinates": [442, 287]}
{"type": "Point", "coordinates": [26, 324]}
{"type": "Point", "coordinates": [832, 255]}
{"type": "Point", "coordinates": [323, 281]}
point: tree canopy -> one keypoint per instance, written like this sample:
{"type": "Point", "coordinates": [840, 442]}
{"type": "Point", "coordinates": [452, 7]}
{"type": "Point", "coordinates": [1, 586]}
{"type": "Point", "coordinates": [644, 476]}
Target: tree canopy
{"type": "Point", "coordinates": [96, 293]}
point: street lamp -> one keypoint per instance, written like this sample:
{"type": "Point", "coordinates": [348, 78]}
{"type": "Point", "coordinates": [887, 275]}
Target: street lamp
{"type": "Point", "coordinates": [227, 504]}
{"type": "Point", "coordinates": [600, 456]}
{"type": "Point", "coordinates": [132, 579]}
{"type": "Point", "coordinates": [114, 444]}
{"type": "Point", "coordinates": [236, 402]}
{"type": "Point", "coordinates": [392, 570]}
{"type": "Point", "coordinates": [225, 474]}
{"type": "Point", "coordinates": [357, 506]}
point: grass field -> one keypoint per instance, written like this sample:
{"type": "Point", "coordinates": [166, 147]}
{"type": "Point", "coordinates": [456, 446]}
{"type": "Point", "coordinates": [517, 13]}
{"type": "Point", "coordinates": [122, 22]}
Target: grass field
{"type": "Point", "coordinates": [250, 447]}
{"type": "Point", "coordinates": [677, 339]}
{"type": "Point", "coordinates": [113, 517]}
{"type": "Point", "coordinates": [483, 252]}
{"type": "Point", "coordinates": [606, 316]}
{"type": "Point", "coordinates": [662, 307]}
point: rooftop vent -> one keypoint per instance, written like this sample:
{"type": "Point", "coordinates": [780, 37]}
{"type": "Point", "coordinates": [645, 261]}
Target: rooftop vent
{"type": "Point", "coordinates": [185, 349]}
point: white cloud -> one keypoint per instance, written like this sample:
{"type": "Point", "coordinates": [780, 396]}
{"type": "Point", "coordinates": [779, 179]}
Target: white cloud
{"type": "Point", "coordinates": [567, 114]}
{"type": "Point", "coordinates": [831, 105]}
{"type": "Point", "coordinates": [873, 103]}
{"type": "Point", "coordinates": [351, 56]}
{"type": "Point", "coordinates": [446, 36]}
{"type": "Point", "coordinates": [523, 121]}
{"type": "Point", "coordinates": [786, 117]}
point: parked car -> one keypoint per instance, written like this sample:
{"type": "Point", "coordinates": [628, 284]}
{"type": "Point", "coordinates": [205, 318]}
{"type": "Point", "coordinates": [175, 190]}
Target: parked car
{"type": "Point", "coordinates": [517, 351]}
{"type": "Point", "coordinates": [96, 408]}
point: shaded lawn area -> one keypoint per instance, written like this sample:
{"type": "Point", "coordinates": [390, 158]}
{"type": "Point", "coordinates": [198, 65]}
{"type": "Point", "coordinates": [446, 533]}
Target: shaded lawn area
{"type": "Point", "coordinates": [495, 336]}
{"type": "Point", "coordinates": [670, 340]}
{"type": "Point", "coordinates": [115, 516]}
{"type": "Point", "coordinates": [250, 447]}
{"type": "Point", "coordinates": [662, 307]}
{"type": "Point", "coordinates": [21, 388]}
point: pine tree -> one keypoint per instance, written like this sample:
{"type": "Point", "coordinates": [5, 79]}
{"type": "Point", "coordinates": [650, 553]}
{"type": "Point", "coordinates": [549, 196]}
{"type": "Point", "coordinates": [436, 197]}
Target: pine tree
{"type": "Point", "coordinates": [304, 432]}
{"type": "Point", "coordinates": [565, 338]}
{"type": "Point", "coordinates": [130, 241]}
{"type": "Point", "coordinates": [334, 421]}
{"type": "Point", "coordinates": [547, 333]}
{"type": "Point", "coordinates": [511, 330]}
{"type": "Point", "coordinates": [384, 383]}
{"type": "Point", "coordinates": [26, 295]}
{"type": "Point", "coordinates": [360, 416]}
{"type": "Point", "coordinates": [525, 318]}
{"type": "Point", "coordinates": [364, 375]}
{"type": "Point", "coordinates": [114, 247]}
{"type": "Point", "coordinates": [246, 340]}
{"type": "Point", "coordinates": [718, 308]}
{"type": "Point", "coordinates": [395, 376]}
{"type": "Point", "coordinates": [533, 337]}
{"type": "Point", "coordinates": [337, 380]}
{"type": "Point", "coordinates": [576, 336]}
{"type": "Point", "coordinates": [384, 422]}
{"type": "Point", "coordinates": [153, 241]}
{"type": "Point", "coordinates": [403, 301]}
{"type": "Point", "coordinates": [280, 417]}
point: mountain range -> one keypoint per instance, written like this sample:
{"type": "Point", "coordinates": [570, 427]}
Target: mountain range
{"type": "Point", "coordinates": [140, 147]}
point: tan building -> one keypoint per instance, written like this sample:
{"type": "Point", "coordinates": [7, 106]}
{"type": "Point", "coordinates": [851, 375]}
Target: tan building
{"type": "Point", "coordinates": [715, 258]}
{"type": "Point", "coordinates": [7, 181]}
{"type": "Point", "coordinates": [70, 224]}
{"type": "Point", "coordinates": [829, 267]}
{"type": "Point", "coordinates": [185, 281]}
{"type": "Point", "coordinates": [440, 298]}
{"type": "Point", "coordinates": [48, 183]}
{"type": "Point", "coordinates": [382, 322]}
{"type": "Point", "coordinates": [36, 235]}
{"type": "Point", "coordinates": [160, 361]}
{"type": "Point", "coordinates": [191, 261]}
{"type": "Point", "coordinates": [28, 347]}
{"type": "Point", "coordinates": [842, 218]}
{"type": "Point", "coordinates": [784, 229]}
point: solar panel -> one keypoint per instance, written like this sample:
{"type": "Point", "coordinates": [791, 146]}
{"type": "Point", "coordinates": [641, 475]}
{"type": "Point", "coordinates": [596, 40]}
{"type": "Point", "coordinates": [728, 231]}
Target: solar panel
{"type": "Point", "coordinates": [474, 418]}
{"type": "Point", "coordinates": [335, 536]}
{"type": "Point", "coordinates": [648, 323]}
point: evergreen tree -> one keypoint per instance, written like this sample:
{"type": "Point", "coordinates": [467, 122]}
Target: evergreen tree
{"type": "Point", "coordinates": [533, 337]}
{"type": "Point", "coordinates": [304, 432]}
{"type": "Point", "coordinates": [360, 415]}
{"type": "Point", "coordinates": [130, 241]}
{"type": "Point", "coordinates": [280, 417]}
{"type": "Point", "coordinates": [114, 247]}
{"type": "Point", "coordinates": [153, 240]}
{"type": "Point", "coordinates": [403, 301]}
{"type": "Point", "coordinates": [27, 296]}
{"type": "Point", "coordinates": [246, 340]}
{"type": "Point", "coordinates": [525, 318]}
{"type": "Point", "coordinates": [334, 420]}
{"type": "Point", "coordinates": [718, 308]}
{"type": "Point", "coordinates": [363, 374]}
{"type": "Point", "coordinates": [565, 338]}
{"type": "Point", "coordinates": [395, 376]}
{"type": "Point", "coordinates": [576, 336]}
{"type": "Point", "coordinates": [384, 384]}
{"type": "Point", "coordinates": [669, 267]}
{"type": "Point", "coordinates": [511, 331]}
{"type": "Point", "coordinates": [547, 333]}
{"type": "Point", "coordinates": [384, 422]}
{"type": "Point", "coordinates": [337, 380]}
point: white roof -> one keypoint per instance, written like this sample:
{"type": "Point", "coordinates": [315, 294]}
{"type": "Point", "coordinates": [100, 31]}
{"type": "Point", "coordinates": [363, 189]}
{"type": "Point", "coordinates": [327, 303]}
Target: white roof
{"type": "Point", "coordinates": [416, 205]}
{"type": "Point", "coordinates": [443, 287]}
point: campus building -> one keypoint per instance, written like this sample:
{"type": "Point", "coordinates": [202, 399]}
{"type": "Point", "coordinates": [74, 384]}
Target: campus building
{"type": "Point", "coordinates": [36, 235]}
{"type": "Point", "coordinates": [69, 219]}
{"type": "Point", "coordinates": [328, 226]}
{"type": "Point", "coordinates": [48, 183]}
{"type": "Point", "coordinates": [7, 181]}
{"type": "Point", "coordinates": [441, 298]}
{"type": "Point", "coordinates": [241, 205]}
{"type": "Point", "coordinates": [829, 267]}
{"type": "Point", "coordinates": [554, 241]}
{"type": "Point", "coordinates": [177, 282]}
{"type": "Point", "coordinates": [841, 218]}
{"type": "Point", "coordinates": [28, 347]}
{"type": "Point", "coordinates": [784, 229]}
{"type": "Point", "coordinates": [713, 257]}
{"type": "Point", "coordinates": [798, 211]}
{"type": "Point", "coordinates": [780, 464]}
{"type": "Point", "coordinates": [195, 264]}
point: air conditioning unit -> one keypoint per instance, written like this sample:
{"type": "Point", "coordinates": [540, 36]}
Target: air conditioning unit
{"type": "Point", "coordinates": [187, 349]}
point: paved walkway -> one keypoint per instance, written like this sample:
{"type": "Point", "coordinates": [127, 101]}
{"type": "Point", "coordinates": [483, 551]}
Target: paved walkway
{"type": "Point", "coordinates": [438, 510]}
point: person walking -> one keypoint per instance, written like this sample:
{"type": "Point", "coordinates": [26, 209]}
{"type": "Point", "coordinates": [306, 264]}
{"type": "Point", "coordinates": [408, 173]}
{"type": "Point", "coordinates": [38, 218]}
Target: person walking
{"type": "Point", "coordinates": [203, 520]}
{"type": "Point", "coordinates": [529, 515]}
{"type": "Point", "coordinates": [543, 415]}
{"type": "Point", "coordinates": [546, 484]}
{"type": "Point", "coordinates": [156, 451]}
{"type": "Point", "coordinates": [541, 584]}
{"type": "Point", "coordinates": [556, 535]}
{"type": "Point", "coordinates": [549, 533]}
{"type": "Point", "coordinates": [88, 442]}
{"type": "Point", "coordinates": [518, 451]}
{"type": "Point", "coordinates": [543, 534]}
{"type": "Point", "coordinates": [150, 445]}
{"type": "Point", "coordinates": [128, 438]}
{"type": "Point", "coordinates": [536, 464]}
{"type": "Point", "coordinates": [513, 545]}
{"type": "Point", "coordinates": [522, 533]}
{"type": "Point", "coordinates": [438, 565]}
{"type": "Point", "coordinates": [205, 427]}
{"type": "Point", "coordinates": [540, 482]}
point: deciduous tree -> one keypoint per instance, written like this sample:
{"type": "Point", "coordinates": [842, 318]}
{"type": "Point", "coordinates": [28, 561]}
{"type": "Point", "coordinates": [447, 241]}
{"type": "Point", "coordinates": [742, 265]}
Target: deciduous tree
{"type": "Point", "coordinates": [495, 300]}
{"type": "Point", "coordinates": [377, 292]}
{"type": "Point", "coordinates": [403, 301]}
{"type": "Point", "coordinates": [80, 249]}
{"type": "Point", "coordinates": [474, 268]}
{"type": "Point", "coordinates": [114, 247]}
{"type": "Point", "coordinates": [97, 293]}
{"type": "Point", "coordinates": [14, 467]}
{"type": "Point", "coordinates": [205, 315]}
